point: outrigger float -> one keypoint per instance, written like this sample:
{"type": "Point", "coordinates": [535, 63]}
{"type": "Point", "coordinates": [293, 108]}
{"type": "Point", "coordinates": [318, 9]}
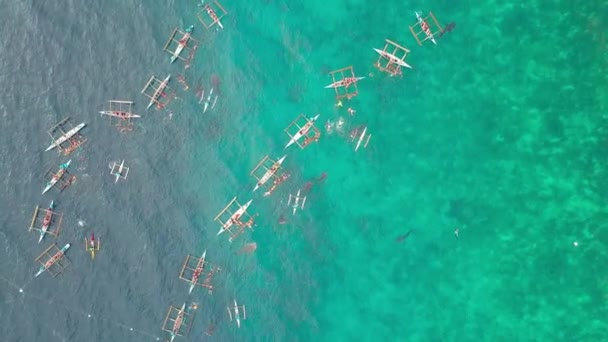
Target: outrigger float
{"type": "Point", "coordinates": [178, 42]}
{"type": "Point", "coordinates": [66, 139]}
{"type": "Point", "coordinates": [268, 169]}
{"type": "Point", "coordinates": [120, 171]}
{"type": "Point", "coordinates": [155, 90]}
{"type": "Point", "coordinates": [59, 177]}
{"type": "Point", "coordinates": [192, 270]}
{"type": "Point", "coordinates": [178, 322]}
{"type": "Point", "coordinates": [234, 312]}
{"type": "Point", "coordinates": [208, 15]}
{"type": "Point", "coordinates": [392, 58]}
{"type": "Point", "coordinates": [359, 135]}
{"type": "Point", "coordinates": [50, 218]}
{"type": "Point", "coordinates": [298, 201]}
{"type": "Point", "coordinates": [302, 127]}
{"type": "Point", "coordinates": [234, 215]}
{"type": "Point", "coordinates": [344, 82]}
{"type": "Point", "coordinates": [122, 111]}
{"type": "Point", "coordinates": [92, 245]}
{"type": "Point", "coordinates": [422, 30]}
{"type": "Point", "coordinates": [56, 260]}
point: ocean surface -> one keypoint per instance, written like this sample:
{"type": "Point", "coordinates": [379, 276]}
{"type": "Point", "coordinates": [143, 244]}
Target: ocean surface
{"type": "Point", "coordinates": [498, 131]}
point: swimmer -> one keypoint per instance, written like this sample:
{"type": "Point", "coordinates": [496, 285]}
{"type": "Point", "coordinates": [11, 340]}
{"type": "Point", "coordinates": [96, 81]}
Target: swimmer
{"type": "Point", "coordinates": [339, 104]}
{"type": "Point", "coordinates": [457, 232]}
{"type": "Point", "coordinates": [329, 127]}
{"type": "Point", "coordinates": [282, 220]}
{"type": "Point", "coordinates": [351, 111]}
{"type": "Point", "coordinates": [340, 124]}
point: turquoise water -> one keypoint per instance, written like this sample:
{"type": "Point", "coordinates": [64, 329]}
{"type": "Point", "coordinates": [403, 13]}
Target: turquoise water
{"type": "Point", "coordinates": [497, 131]}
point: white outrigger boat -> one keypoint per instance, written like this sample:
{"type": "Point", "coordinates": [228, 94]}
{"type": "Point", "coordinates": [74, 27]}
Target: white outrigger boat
{"type": "Point", "coordinates": [296, 201]}
{"type": "Point", "coordinates": [345, 82]}
{"type": "Point", "coordinates": [302, 131]}
{"type": "Point", "coordinates": [392, 58]}
{"type": "Point", "coordinates": [65, 137]}
{"type": "Point", "coordinates": [46, 222]}
{"type": "Point", "coordinates": [158, 91]}
{"type": "Point", "coordinates": [57, 176]}
{"type": "Point", "coordinates": [234, 218]}
{"type": "Point", "coordinates": [426, 32]}
{"type": "Point", "coordinates": [361, 137]}
{"type": "Point", "coordinates": [269, 172]}
{"type": "Point", "coordinates": [215, 19]}
{"type": "Point", "coordinates": [208, 101]}
{"type": "Point", "coordinates": [50, 218]}
{"type": "Point", "coordinates": [237, 315]}
{"type": "Point", "coordinates": [197, 272]}
{"type": "Point", "coordinates": [425, 27]}
{"type": "Point", "coordinates": [53, 260]}
{"type": "Point", "coordinates": [119, 113]}
{"type": "Point", "coordinates": [177, 323]}
{"type": "Point", "coordinates": [182, 43]}
{"type": "Point", "coordinates": [118, 170]}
